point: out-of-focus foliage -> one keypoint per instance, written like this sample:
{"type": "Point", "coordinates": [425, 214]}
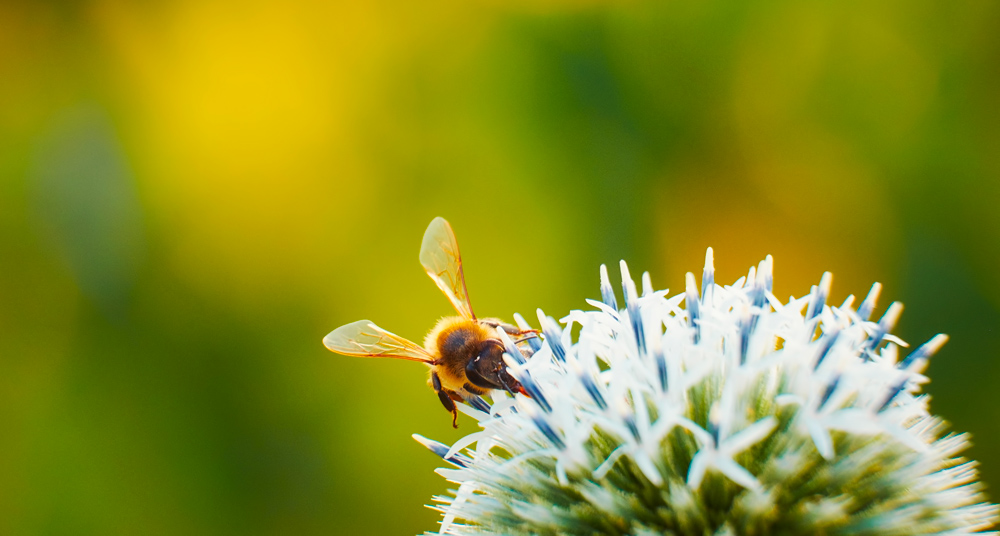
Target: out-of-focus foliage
{"type": "Point", "coordinates": [192, 193]}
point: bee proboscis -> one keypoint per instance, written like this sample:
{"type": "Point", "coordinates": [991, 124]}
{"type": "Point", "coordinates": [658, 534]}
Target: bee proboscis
{"type": "Point", "coordinates": [464, 353]}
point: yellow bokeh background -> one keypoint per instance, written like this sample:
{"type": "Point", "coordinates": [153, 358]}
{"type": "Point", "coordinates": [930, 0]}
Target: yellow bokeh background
{"type": "Point", "coordinates": [193, 193]}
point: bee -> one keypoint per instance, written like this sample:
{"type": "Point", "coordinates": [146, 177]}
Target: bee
{"type": "Point", "coordinates": [464, 353]}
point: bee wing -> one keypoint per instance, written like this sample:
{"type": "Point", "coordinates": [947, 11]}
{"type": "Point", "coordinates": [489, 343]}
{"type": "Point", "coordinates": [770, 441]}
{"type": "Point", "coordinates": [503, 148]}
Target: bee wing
{"type": "Point", "coordinates": [442, 261]}
{"type": "Point", "coordinates": [364, 339]}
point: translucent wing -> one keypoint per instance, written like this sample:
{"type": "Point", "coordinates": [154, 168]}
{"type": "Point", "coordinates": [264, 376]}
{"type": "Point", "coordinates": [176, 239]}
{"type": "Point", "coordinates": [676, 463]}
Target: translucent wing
{"type": "Point", "coordinates": [442, 261]}
{"type": "Point", "coordinates": [364, 339]}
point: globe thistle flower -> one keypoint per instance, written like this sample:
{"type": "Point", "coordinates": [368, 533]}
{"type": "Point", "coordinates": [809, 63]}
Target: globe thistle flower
{"type": "Point", "coordinates": [717, 411]}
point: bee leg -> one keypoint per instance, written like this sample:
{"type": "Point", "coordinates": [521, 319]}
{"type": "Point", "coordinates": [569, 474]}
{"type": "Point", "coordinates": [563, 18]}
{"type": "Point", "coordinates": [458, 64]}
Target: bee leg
{"type": "Point", "coordinates": [449, 405]}
{"type": "Point", "coordinates": [522, 335]}
{"type": "Point", "coordinates": [446, 399]}
{"type": "Point", "coordinates": [510, 329]}
{"type": "Point", "coordinates": [531, 334]}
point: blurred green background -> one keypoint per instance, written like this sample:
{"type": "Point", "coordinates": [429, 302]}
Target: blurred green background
{"type": "Point", "coordinates": [193, 193]}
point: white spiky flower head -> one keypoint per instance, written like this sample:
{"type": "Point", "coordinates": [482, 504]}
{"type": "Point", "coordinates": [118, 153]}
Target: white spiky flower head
{"type": "Point", "coordinates": [735, 414]}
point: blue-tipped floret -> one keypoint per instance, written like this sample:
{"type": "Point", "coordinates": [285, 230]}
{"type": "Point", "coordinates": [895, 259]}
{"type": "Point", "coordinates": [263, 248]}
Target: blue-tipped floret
{"type": "Point", "coordinates": [544, 427]}
{"type": "Point", "coordinates": [925, 350]}
{"type": "Point", "coordinates": [885, 325]}
{"type": "Point", "coordinates": [459, 460]}
{"type": "Point", "coordinates": [868, 305]}
{"type": "Point", "coordinates": [647, 286]}
{"type": "Point", "coordinates": [530, 386]}
{"type": "Point", "coordinates": [553, 336]}
{"type": "Point", "coordinates": [607, 292]}
{"type": "Point", "coordinates": [746, 327]}
{"type": "Point", "coordinates": [820, 293]}
{"type": "Point", "coordinates": [708, 275]}
{"type": "Point", "coordinates": [828, 341]}
{"type": "Point", "coordinates": [760, 286]}
{"type": "Point", "coordinates": [828, 392]}
{"type": "Point", "coordinates": [592, 390]}
{"type": "Point", "coordinates": [477, 402]}
{"type": "Point", "coordinates": [713, 427]}
{"type": "Point", "coordinates": [768, 267]}
{"type": "Point", "coordinates": [632, 305]}
{"type": "Point", "coordinates": [691, 298]}
{"type": "Point", "coordinates": [661, 368]}
{"type": "Point", "coordinates": [629, 419]}
{"type": "Point", "coordinates": [893, 393]}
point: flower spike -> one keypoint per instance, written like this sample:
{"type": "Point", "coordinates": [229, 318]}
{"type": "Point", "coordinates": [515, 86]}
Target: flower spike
{"type": "Point", "coordinates": [717, 411]}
